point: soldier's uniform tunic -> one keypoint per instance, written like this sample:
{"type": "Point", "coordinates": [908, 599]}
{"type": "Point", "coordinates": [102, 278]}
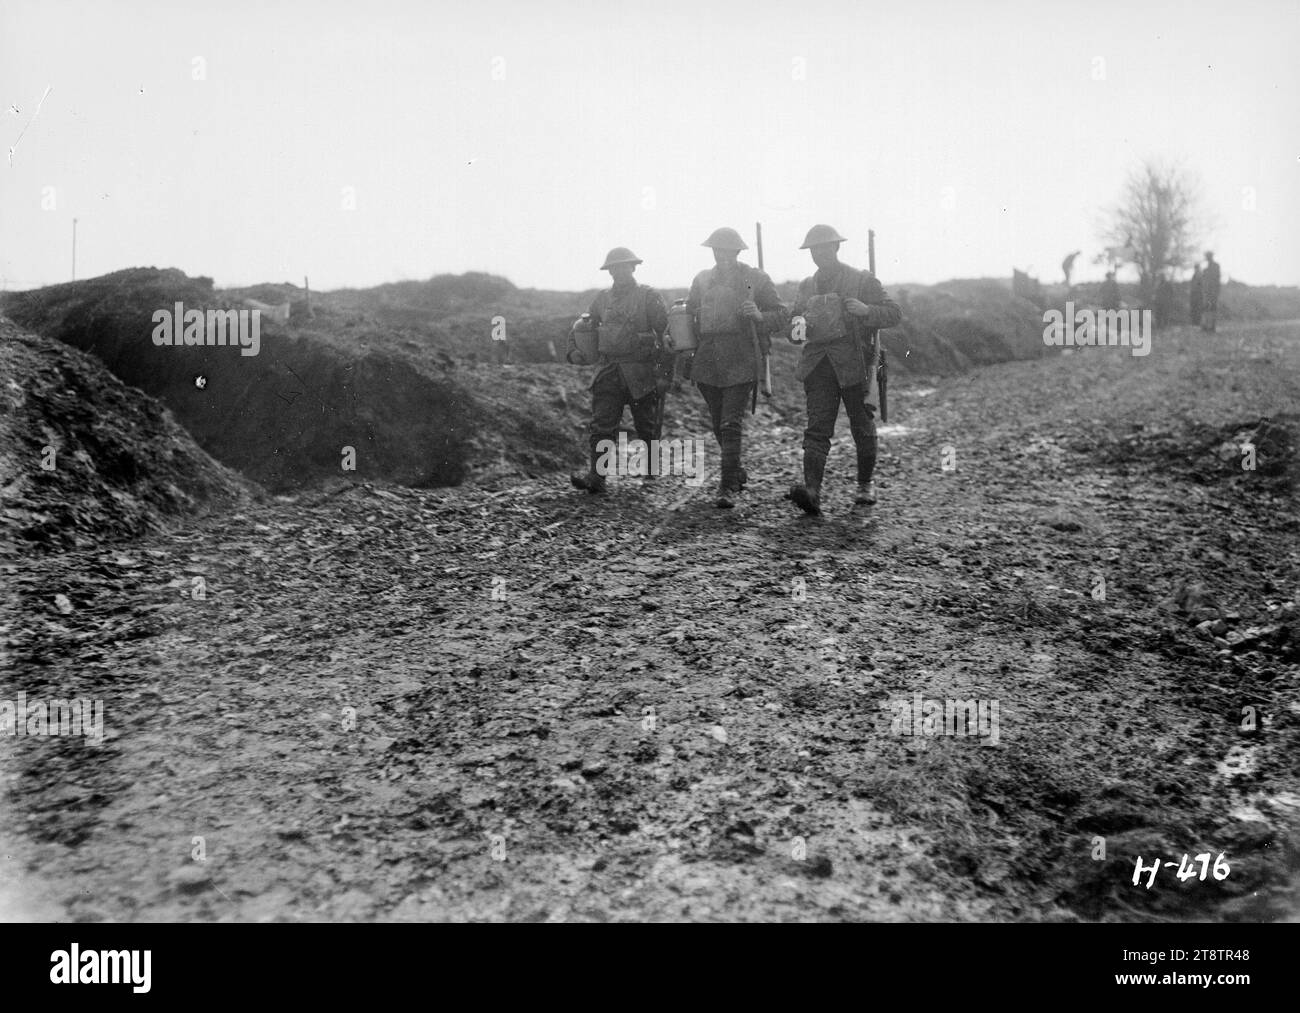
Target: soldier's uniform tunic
{"type": "Point", "coordinates": [723, 366]}
{"type": "Point", "coordinates": [833, 365]}
{"type": "Point", "coordinates": [632, 320]}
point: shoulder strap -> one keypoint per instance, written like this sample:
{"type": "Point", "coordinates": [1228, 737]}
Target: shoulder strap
{"type": "Point", "coordinates": [850, 282]}
{"type": "Point", "coordinates": [642, 308]}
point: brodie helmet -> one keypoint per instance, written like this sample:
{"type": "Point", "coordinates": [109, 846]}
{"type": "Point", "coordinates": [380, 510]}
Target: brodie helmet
{"type": "Point", "coordinates": [820, 234]}
{"type": "Point", "coordinates": [619, 255]}
{"type": "Point", "coordinates": [725, 239]}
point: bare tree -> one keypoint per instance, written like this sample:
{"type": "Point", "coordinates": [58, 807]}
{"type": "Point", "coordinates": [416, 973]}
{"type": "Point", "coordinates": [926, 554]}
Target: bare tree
{"type": "Point", "coordinates": [1154, 225]}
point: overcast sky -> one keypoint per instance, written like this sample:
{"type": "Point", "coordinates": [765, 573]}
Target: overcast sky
{"type": "Point", "coordinates": [527, 138]}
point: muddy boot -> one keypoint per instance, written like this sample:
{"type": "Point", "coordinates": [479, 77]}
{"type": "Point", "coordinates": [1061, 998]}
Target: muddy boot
{"type": "Point", "coordinates": [733, 475]}
{"type": "Point", "coordinates": [590, 480]}
{"type": "Point", "coordinates": [808, 496]}
{"type": "Point", "coordinates": [866, 468]}
{"type": "Point", "coordinates": [742, 480]}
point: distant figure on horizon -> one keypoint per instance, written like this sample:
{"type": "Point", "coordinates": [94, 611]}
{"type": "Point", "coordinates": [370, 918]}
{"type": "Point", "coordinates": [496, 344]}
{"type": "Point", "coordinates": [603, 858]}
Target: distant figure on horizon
{"type": "Point", "coordinates": [1067, 266]}
{"type": "Point", "coordinates": [1109, 293]}
{"type": "Point", "coordinates": [1210, 293]}
{"type": "Point", "coordinates": [1195, 297]}
{"type": "Point", "coordinates": [1163, 306]}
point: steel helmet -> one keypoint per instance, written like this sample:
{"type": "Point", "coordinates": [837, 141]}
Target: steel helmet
{"type": "Point", "coordinates": [619, 255]}
{"type": "Point", "coordinates": [725, 239]}
{"type": "Point", "coordinates": [819, 234]}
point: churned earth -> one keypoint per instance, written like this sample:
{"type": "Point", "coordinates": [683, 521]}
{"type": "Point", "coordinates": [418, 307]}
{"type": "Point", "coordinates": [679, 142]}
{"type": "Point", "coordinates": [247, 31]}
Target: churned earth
{"type": "Point", "coordinates": [517, 702]}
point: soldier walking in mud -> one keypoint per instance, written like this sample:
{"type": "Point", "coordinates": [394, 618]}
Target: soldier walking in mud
{"type": "Point", "coordinates": [838, 305]}
{"type": "Point", "coordinates": [624, 333]}
{"type": "Point", "coordinates": [725, 302]}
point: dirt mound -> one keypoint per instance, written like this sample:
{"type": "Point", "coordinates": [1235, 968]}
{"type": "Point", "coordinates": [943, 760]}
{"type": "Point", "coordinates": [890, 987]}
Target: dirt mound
{"type": "Point", "coordinates": [86, 458]}
{"type": "Point", "coordinates": [442, 294]}
{"type": "Point", "coordinates": [958, 325]}
{"type": "Point", "coordinates": [286, 415]}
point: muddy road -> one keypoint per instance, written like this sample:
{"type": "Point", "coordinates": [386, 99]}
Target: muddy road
{"type": "Point", "coordinates": [521, 703]}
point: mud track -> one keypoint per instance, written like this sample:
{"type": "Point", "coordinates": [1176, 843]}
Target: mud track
{"type": "Point", "coordinates": [525, 704]}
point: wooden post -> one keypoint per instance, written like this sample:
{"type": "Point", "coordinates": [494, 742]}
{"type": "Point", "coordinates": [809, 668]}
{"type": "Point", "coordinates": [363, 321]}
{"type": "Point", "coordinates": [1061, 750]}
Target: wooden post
{"type": "Point", "coordinates": [871, 250]}
{"type": "Point", "coordinates": [758, 235]}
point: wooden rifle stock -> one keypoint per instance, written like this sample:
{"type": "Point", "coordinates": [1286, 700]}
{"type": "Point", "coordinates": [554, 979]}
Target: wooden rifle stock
{"type": "Point", "coordinates": [763, 377]}
{"type": "Point", "coordinates": [879, 371]}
